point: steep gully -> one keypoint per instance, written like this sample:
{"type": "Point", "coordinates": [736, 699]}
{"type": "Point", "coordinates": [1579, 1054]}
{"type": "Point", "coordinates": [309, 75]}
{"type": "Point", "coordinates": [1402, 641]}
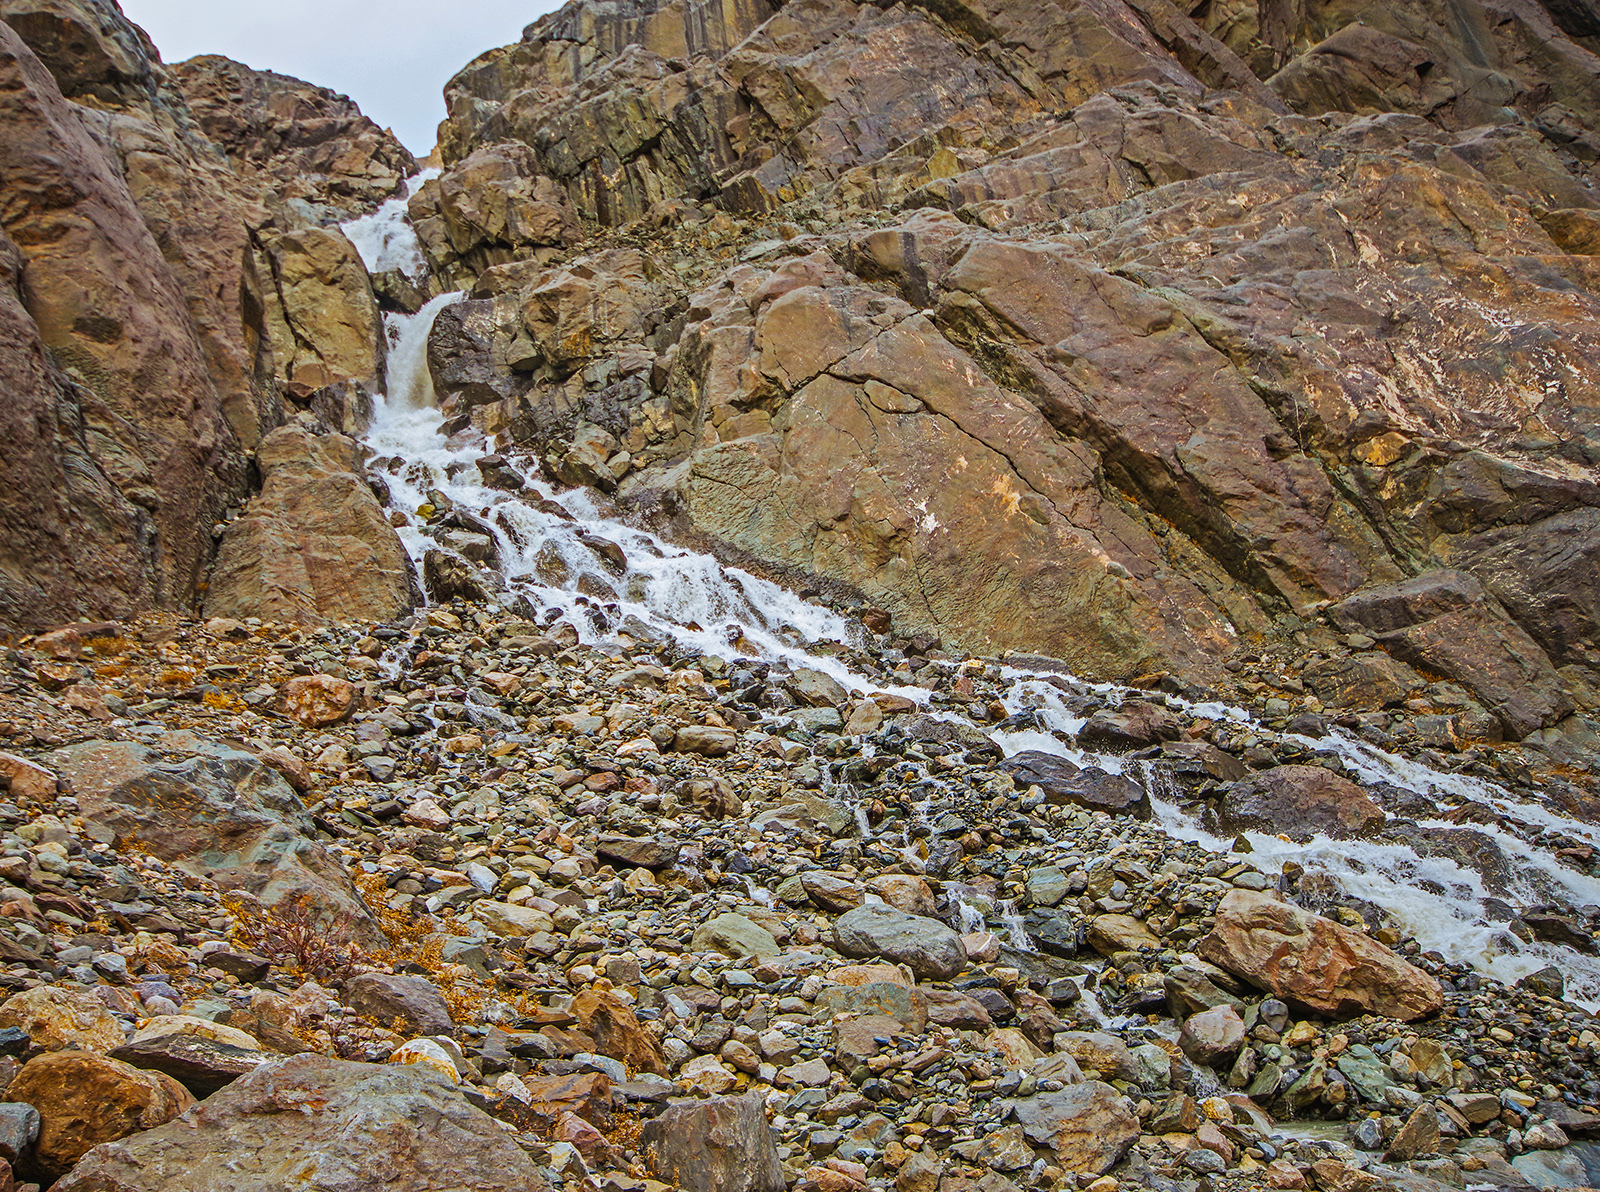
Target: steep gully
{"type": "Point", "coordinates": [562, 560]}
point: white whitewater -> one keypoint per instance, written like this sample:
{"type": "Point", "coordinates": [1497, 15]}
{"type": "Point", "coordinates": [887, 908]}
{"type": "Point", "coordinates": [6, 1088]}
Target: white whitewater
{"type": "Point", "coordinates": [385, 239]}
{"type": "Point", "coordinates": [673, 593]}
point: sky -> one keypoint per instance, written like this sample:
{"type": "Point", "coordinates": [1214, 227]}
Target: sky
{"type": "Point", "coordinates": [393, 57]}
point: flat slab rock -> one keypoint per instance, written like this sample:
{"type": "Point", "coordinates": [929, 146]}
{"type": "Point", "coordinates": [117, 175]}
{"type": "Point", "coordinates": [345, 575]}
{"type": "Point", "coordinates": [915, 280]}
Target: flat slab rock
{"type": "Point", "coordinates": [310, 1124]}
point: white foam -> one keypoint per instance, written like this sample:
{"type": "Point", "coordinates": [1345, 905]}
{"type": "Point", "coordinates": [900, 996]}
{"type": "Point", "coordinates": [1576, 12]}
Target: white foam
{"type": "Point", "coordinates": [385, 239]}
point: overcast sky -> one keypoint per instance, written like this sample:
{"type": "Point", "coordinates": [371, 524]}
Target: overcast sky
{"type": "Point", "coordinates": [392, 57]}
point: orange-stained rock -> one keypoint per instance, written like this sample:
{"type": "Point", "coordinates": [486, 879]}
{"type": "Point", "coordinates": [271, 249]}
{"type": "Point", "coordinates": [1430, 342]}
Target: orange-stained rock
{"type": "Point", "coordinates": [617, 1032]}
{"type": "Point", "coordinates": [60, 1017]}
{"type": "Point", "coordinates": [1314, 961]}
{"type": "Point", "coordinates": [317, 700]}
{"type": "Point", "coordinates": [84, 1100]}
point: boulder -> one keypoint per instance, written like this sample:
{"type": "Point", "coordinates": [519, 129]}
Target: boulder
{"type": "Point", "coordinates": [817, 690]}
{"type": "Point", "coordinates": [720, 1145]}
{"type": "Point", "coordinates": [200, 1064]}
{"type": "Point", "coordinates": [316, 701]}
{"type": "Point", "coordinates": [736, 936]}
{"type": "Point", "coordinates": [389, 997]}
{"type": "Point", "coordinates": [706, 740]}
{"type": "Point", "coordinates": [1067, 785]}
{"type": "Point", "coordinates": [398, 1127]}
{"type": "Point", "coordinates": [314, 545]}
{"type": "Point", "coordinates": [617, 1032]}
{"type": "Point", "coordinates": [1300, 800]}
{"type": "Point", "coordinates": [510, 921]}
{"type": "Point", "coordinates": [1089, 1126]}
{"type": "Point", "coordinates": [84, 1100]}
{"type": "Point", "coordinates": [219, 813]}
{"type": "Point", "coordinates": [58, 1017]}
{"type": "Point", "coordinates": [323, 310]}
{"type": "Point", "coordinates": [1212, 1035]}
{"type": "Point", "coordinates": [1315, 962]}
{"type": "Point", "coordinates": [637, 852]}
{"type": "Point", "coordinates": [927, 946]}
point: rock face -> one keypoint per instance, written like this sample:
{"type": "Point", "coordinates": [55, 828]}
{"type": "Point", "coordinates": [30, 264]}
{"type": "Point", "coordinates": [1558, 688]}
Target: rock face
{"type": "Point", "coordinates": [314, 544]}
{"type": "Point", "coordinates": [160, 300]}
{"type": "Point", "coordinates": [1314, 961]}
{"type": "Point", "coordinates": [220, 813]}
{"type": "Point", "coordinates": [306, 144]}
{"type": "Point", "coordinates": [354, 1126]}
{"type": "Point", "coordinates": [1010, 357]}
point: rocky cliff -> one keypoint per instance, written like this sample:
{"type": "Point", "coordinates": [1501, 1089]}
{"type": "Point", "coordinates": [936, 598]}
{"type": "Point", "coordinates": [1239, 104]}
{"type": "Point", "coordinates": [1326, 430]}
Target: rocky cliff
{"type": "Point", "coordinates": [1118, 331]}
{"type": "Point", "coordinates": [169, 299]}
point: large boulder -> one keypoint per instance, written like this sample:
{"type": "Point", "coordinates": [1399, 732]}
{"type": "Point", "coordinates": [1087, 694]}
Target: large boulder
{"type": "Point", "coordinates": [323, 309]}
{"type": "Point", "coordinates": [1315, 962]}
{"type": "Point", "coordinates": [219, 813]}
{"type": "Point", "coordinates": [58, 1017]}
{"type": "Point", "coordinates": [414, 1002]}
{"type": "Point", "coordinates": [1300, 799]}
{"type": "Point", "coordinates": [314, 545]}
{"type": "Point", "coordinates": [1067, 785]}
{"type": "Point", "coordinates": [926, 946]}
{"type": "Point", "coordinates": [84, 1100]}
{"type": "Point", "coordinates": [1089, 1126]}
{"type": "Point", "coordinates": [720, 1145]}
{"type": "Point", "coordinates": [309, 1123]}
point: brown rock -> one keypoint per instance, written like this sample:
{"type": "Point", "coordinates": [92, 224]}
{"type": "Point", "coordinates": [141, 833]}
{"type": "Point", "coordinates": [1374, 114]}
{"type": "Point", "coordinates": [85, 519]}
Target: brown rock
{"type": "Point", "coordinates": [304, 142]}
{"type": "Point", "coordinates": [720, 1145]}
{"type": "Point", "coordinates": [58, 1017]}
{"type": "Point", "coordinates": [1314, 961]}
{"type": "Point", "coordinates": [200, 1064]}
{"type": "Point", "coordinates": [322, 304]}
{"type": "Point", "coordinates": [28, 780]}
{"type": "Point", "coordinates": [84, 1100]}
{"type": "Point", "coordinates": [1109, 934]}
{"type": "Point", "coordinates": [1089, 1126]}
{"type": "Point", "coordinates": [617, 1032]}
{"type": "Point", "coordinates": [1212, 1035]}
{"type": "Point", "coordinates": [586, 1094]}
{"type": "Point", "coordinates": [314, 544]}
{"type": "Point", "coordinates": [1300, 799]}
{"type": "Point", "coordinates": [397, 1127]}
{"type": "Point", "coordinates": [1418, 1138]}
{"type": "Point", "coordinates": [316, 701]}
{"type": "Point", "coordinates": [414, 1001]}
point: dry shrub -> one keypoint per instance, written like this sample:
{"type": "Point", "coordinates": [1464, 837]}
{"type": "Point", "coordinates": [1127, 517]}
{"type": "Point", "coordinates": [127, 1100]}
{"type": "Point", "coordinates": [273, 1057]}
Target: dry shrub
{"type": "Point", "coordinates": [293, 935]}
{"type": "Point", "coordinates": [223, 701]}
{"type": "Point", "coordinates": [176, 676]}
{"type": "Point", "coordinates": [108, 644]}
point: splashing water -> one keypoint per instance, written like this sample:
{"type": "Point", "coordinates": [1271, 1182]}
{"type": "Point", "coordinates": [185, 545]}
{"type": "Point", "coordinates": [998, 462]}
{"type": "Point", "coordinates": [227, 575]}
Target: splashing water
{"type": "Point", "coordinates": [385, 239]}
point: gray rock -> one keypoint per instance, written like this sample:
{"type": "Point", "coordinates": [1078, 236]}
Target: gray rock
{"type": "Point", "coordinates": [19, 1129]}
{"type": "Point", "coordinates": [1090, 1126]}
{"type": "Point", "coordinates": [927, 946]}
{"type": "Point", "coordinates": [415, 1001]}
{"type": "Point", "coordinates": [200, 1064]}
{"type": "Point", "coordinates": [736, 936]}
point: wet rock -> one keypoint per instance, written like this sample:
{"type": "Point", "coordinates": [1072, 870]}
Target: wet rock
{"type": "Point", "coordinates": [1417, 1138]}
{"type": "Point", "coordinates": [706, 740]}
{"type": "Point", "coordinates": [1314, 961]}
{"type": "Point", "coordinates": [1065, 784]}
{"type": "Point", "coordinates": [361, 1125]}
{"type": "Point", "coordinates": [637, 852]}
{"type": "Point", "coordinates": [1300, 799]}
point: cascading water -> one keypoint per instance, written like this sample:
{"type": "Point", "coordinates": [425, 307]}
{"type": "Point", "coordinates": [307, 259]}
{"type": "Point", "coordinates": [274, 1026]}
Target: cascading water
{"type": "Point", "coordinates": [569, 563]}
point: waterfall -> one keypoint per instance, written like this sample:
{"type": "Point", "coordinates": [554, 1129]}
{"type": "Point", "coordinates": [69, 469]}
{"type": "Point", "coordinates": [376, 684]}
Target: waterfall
{"type": "Point", "coordinates": [560, 560]}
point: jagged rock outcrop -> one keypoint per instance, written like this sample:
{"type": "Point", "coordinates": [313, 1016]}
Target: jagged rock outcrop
{"type": "Point", "coordinates": [308, 146]}
{"type": "Point", "coordinates": [160, 303]}
{"type": "Point", "coordinates": [1128, 339]}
